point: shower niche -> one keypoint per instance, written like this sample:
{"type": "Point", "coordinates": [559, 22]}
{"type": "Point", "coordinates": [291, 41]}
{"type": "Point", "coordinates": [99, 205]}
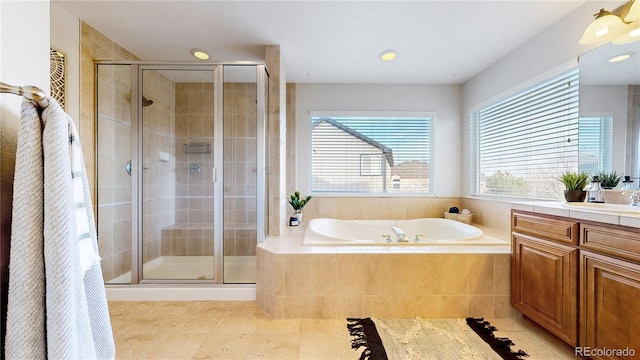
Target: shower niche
{"type": "Point", "coordinates": [180, 171]}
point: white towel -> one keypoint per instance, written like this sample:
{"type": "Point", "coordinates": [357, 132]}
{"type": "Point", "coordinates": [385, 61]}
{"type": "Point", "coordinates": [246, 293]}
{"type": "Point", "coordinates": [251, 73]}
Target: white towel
{"type": "Point", "coordinates": [53, 229]}
{"type": "Point", "coordinates": [26, 333]}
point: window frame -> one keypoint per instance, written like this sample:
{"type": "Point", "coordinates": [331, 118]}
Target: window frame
{"type": "Point", "coordinates": [391, 192]}
{"type": "Point", "coordinates": [569, 72]}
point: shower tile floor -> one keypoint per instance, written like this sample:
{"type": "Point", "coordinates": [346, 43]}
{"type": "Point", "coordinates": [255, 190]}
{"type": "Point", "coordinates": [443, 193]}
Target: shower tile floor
{"type": "Point", "coordinates": [240, 330]}
{"type": "Point", "coordinates": [237, 269]}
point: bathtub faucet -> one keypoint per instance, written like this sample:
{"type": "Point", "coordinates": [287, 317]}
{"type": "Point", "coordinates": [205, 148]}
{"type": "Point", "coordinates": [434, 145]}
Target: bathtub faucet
{"type": "Point", "coordinates": [402, 237]}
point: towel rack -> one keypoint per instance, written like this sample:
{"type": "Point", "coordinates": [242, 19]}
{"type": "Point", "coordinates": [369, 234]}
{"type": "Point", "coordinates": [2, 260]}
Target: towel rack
{"type": "Point", "coordinates": [29, 92]}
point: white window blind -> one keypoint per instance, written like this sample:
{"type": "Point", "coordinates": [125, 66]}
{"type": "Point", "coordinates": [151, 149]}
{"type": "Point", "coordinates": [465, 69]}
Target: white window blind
{"type": "Point", "coordinates": [595, 142]}
{"type": "Point", "coordinates": [521, 144]}
{"type": "Point", "coordinates": [370, 154]}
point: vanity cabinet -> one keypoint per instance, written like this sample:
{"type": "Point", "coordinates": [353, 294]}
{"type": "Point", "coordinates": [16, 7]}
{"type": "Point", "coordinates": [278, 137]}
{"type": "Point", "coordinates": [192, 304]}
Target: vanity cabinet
{"type": "Point", "coordinates": [544, 280]}
{"type": "Point", "coordinates": [610, 289]}
{"type": "Point", "coordinates": [580, 280]}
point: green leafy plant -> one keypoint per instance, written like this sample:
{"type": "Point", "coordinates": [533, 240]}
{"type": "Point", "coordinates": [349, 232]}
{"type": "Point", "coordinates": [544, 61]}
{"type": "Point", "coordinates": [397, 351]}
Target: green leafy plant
{"type": "Point", "coordinates": [573, 180]}
{"type": "Point", "coordinates": [609, 180]}
{"type": "Point", "coordinates": [505, 183]}
{"type": "Point", "coordinates": [298, 203]}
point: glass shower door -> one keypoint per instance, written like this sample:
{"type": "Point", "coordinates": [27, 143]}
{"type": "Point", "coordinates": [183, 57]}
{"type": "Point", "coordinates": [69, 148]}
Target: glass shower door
{"type": "Point", "coordinates": [113, 180]}
{"type": "Point", "coordinates": [240, 128]}
{"type": "Point", "coordinates": [180, 172]}
{"type": "Point", "coordinates": [177, 193]}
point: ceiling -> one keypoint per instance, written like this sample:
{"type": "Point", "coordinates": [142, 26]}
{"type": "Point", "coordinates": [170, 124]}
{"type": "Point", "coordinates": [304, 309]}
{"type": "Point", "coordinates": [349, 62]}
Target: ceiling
{"type": "Point", "coordinates": [595, 68]}
{"type": "Point", "coordinates": [439, 42]}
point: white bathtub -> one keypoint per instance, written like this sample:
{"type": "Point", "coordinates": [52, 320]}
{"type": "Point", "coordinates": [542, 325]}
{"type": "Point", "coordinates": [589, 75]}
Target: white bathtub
{"type": "Point", "coordinates": [373, 232]}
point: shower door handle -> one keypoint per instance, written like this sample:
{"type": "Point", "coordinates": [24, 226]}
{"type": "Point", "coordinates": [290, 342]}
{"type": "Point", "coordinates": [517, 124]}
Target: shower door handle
{"type": "Point", "coordinates": [127, 167]}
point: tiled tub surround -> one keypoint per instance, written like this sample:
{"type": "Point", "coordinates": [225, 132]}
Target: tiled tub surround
{"type": "Point", "coordinates": [295, 281]}
{"type": "Point", "coordinates": [326, 282]}
{"type": "Point", "coordinates": [380, 208]}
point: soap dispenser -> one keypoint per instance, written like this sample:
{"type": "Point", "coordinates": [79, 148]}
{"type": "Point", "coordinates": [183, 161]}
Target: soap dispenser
{"type": "Point", "coordinates": [596, 194]}
{"type": "Point", "coordinates": [627, 183]}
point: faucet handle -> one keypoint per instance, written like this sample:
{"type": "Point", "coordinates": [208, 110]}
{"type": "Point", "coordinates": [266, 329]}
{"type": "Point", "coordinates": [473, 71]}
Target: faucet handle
{"type": "Point", "coordinates": [387, 238]}
{"type": "Point", "coordinates": [416, 239]}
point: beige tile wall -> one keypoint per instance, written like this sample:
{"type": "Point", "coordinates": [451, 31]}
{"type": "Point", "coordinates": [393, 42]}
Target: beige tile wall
{"type": "Point", "coordinates": [114, 219]}
{"type": "Point", "coordinates": [187, 240]}
{"type": "Point", "coordinates": [492, 213]}
{"type": "Point", "coordinates": [194, 189]}
{"type": "Point", "coordinates": [194, 124]}
{"type": "Point", "coordinates": [159, 174]}
{"type": "Point", "coordinates": [114, 151]}
{"type": "Point", "coordinates": [359, 208]}
{"type": "Point", "coordinates": [384, 285]}
{"type": "Point", "coordinates": [113, 146]}
{"type": "Point", "coordinates": [93, 46]}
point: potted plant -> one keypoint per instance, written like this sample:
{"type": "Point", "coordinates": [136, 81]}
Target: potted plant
{"type": "Point", "coordinates": [609, 180]}
{"type": "Point", "coordinates": [574, 183]}
{"type": "Point", "coordinates": [297, 203]}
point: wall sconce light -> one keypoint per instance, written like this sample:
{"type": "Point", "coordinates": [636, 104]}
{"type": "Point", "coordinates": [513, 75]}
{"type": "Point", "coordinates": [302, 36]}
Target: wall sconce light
{"type": "Point", "coordinates": [619, 26]}
{"type": "Point", "coordinates": [634, 12]}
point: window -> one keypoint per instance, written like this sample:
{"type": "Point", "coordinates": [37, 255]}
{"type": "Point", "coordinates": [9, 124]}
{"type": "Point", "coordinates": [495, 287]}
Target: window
{"type": "Point", "coordinates": [521, 144]}
{"type": "Point", "coordinates": [595, 136]}
{"type": "Point", "coordinates": [366, 154]}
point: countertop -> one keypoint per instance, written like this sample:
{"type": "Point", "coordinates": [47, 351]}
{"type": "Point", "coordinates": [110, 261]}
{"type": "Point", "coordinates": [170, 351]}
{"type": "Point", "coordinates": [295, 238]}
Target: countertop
{"type": "Point", "coordinates": [563, 209]}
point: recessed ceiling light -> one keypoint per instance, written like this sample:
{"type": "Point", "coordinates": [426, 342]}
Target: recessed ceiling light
{"type": "Point", "coordinates": [621, 57]}
{"type": "Point", "coordinates": [388, 55]}
{"type": "Point", "coordinates": [200, 54]}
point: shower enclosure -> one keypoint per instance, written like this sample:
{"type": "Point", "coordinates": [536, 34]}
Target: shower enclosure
{"type": "Point", "coordinates": [180, 171]}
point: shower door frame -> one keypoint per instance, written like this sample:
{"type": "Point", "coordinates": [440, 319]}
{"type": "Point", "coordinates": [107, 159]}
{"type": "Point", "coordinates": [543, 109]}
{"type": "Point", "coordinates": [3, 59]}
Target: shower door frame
{"type": "Point", "coordinates": [138, 144]}
{"type": "Point", "coordinates": [218, 149]}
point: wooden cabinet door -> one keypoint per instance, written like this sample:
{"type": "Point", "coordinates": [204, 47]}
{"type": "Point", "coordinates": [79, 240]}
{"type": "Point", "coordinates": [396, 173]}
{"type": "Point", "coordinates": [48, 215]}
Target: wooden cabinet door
{"type": "Point", "coordinates": [609, 304]}
{"type": "Point", "coordinates": [544, 284]}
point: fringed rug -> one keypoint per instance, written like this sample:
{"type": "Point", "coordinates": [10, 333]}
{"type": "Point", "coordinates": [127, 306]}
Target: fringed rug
{"type": "Point", "coordinates": [424, 339]}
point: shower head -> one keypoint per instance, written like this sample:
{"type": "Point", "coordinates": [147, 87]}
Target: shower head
{"type": "Point", "coordinates": [146, 102]}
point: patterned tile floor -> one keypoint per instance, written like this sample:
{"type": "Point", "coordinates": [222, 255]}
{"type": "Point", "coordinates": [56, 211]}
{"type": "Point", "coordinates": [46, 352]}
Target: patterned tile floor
{"type": "Point", "coordinates": [240, 330]}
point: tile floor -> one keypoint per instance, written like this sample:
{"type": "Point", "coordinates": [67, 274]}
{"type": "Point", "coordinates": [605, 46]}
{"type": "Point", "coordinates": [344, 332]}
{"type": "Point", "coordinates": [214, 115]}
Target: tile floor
{"type": "Point", "coordinates": [240, 330]}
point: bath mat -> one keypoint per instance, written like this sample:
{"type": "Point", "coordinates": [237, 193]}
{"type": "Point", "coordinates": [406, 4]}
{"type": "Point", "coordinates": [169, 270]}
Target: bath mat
{"type": "Point", "coordinates": [424, 339]}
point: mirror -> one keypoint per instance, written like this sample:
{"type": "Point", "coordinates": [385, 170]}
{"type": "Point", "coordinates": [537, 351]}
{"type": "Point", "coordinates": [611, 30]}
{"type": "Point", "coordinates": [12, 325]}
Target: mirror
{"type": "Point", "coordinates": [612, 89]}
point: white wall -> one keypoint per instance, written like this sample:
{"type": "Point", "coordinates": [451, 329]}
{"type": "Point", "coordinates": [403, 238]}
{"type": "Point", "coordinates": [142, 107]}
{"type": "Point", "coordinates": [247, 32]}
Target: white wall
{"type": "Point", "coordinates": [444, 100]}
{"type": "Point", "coordinates": [65, 37]}
{"type": "Point", "coordinates": [24, 60]}
{"type": "Point", "coordinates": [551, 51]}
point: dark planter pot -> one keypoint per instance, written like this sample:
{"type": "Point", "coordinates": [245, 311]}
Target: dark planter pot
{"type": "Point", "coordinates": [575, 195]}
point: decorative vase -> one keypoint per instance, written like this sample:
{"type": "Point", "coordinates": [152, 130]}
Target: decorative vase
{"type": "Point", "coordinates": [575, 195]}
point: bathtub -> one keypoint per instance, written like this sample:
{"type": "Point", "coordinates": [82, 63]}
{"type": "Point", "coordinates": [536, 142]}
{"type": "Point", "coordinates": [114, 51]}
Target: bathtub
{"type": "Point", "coordinates": [429, 231]}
